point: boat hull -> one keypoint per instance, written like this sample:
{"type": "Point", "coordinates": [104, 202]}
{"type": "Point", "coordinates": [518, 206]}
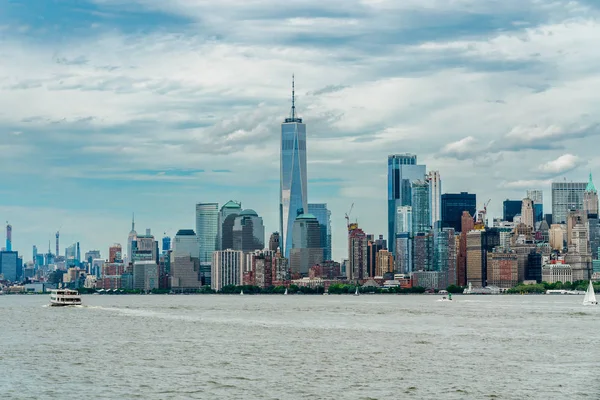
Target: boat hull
{"type": "Point", "coordinates": [53, 304]}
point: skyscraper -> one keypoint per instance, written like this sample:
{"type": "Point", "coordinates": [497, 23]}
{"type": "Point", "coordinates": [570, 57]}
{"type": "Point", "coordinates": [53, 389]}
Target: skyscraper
{"type": "Point", "coordinates": [421, 217]}
{"type": "Point", "coordinates": [226, 268]}
{"type": "Point", "coordinates": [511, 208]}
{"type": "Point", "coordinates": [527, 213]}
{"type": "Point", "coordinates": [467, 224]}
{"type": "Point", "coordinates": [590, 198]}
{"type": "Point", "coordinates": [566, 196]}
{"type": "Point", "coordinates": [402, 171]}
{"type": "Point", "coordinates": [435, 198]}
{"type": "Point", "coordinates": [537, 196]}
{"type": "Point", "coordinates": [274, 242]}
{"type": "Point", "coordinates": [306, 244]}
{"type": "Point", "coordinates": [323, 215]}
{"type": "Point", "coordinates": [207, 229]}
{"type": "Point", "coordinates": [184, 264]}
{"type": "Point", "coordinates": [293, 179]}
{"type": "Point", "coordinates": [248, 232]}
{"type": "Point", "coordinates": [357, 255]}
{"type": "Point", "coordinates": [227, 215]}
{"type": "Point", "coordinates": [8, 237]}
{"type": "Point", "coordinates": [453, 205]}
{"type": "Point", "coordinates": [130, 239]}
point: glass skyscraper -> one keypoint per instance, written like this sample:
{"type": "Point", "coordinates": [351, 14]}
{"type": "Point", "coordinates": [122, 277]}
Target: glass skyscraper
{"type": "Point", "coordinates": [421, 217]}
{"type": "Point", "coordinates": [453, 205]}
{"type": "Point", "coordinates": [566, 196]}
{"type": "Point", "coordinates": [323, 215]}
{"type": "Point", "coordinates": [402, 171]}
{"type": "Point", "coordinates": [207, 229]}
{"type": "Point", "coordinates": [293, 180]}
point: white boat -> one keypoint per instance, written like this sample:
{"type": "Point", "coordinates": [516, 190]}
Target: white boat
{"type": "Point", "coordinates": [65, 297]}
{"type": "Point", "coordinates": [285, 291]}
{"type": "Point", "coordinates": [356, 293]}
{"type": "Point", "coordinates": [242, 292]}
{"type": "Point", "coordinates": [449, 298]}
{"type": "Point", "coordinates": [590, 297]}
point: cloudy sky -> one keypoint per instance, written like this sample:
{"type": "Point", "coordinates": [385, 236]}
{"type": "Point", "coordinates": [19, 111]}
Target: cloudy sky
{"type": "Point", "coordinates": [109, 107]}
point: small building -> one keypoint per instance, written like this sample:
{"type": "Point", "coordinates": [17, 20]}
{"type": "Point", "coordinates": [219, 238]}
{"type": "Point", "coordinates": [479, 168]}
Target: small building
{"type": "Point", "coordinates": [552, 273]}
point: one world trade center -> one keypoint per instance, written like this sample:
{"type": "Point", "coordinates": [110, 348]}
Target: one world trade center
{"type": "Point", "coordinates": [293, 182]}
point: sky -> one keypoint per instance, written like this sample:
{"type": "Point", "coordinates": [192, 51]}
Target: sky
{"type": "Point", "coordinates": [110, 107]}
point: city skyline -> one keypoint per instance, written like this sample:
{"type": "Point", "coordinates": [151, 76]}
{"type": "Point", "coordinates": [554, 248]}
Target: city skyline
{"type": "Point", "coordinates": [90, 135]}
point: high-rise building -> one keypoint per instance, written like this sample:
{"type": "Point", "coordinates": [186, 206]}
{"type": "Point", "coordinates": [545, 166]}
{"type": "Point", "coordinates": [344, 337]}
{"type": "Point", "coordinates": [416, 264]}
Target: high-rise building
{"type": "Point", "coordinates": [566, 196]}
{"type": "Point", "coordinates": [402, 171]}
{"type": "Point", "coordinates": [527, 213]}
{"type": "Point", "coordinates": [403, 257]}
{"type": "Point", "coordinates": [35, 254]}
{"type": "Point", "coordinates": [475, 258]}
{"type": "Point", "coordinates": [145, 275]}
{"type": "Point", "coordinates": [130, 239]}
{"type": "Point", "coordinates": [306, 244]}
{"type": "Point", "coordinates": [8, 237]}
{"type": "Point", "coordinates": [422, 251]}
{"type": "Point", "coordinates": [145, 248]}
{"type": "Point", "coordinates": [248, 231]}
{"type": "Point", "coordinates": [115, 253]}
{"type": "Point", "coordinates": [274, 241]}
{"type": "Point", "coordinates": [227, 268]}
{"type": "Point", "coordinates": [207, 229]}
{"type": "Point", "coordinates": [185, 263]}
{"type": "Point", "coordinates": [9, 267]}
{"type": "Point", "coordinates": [293, 184]}
{"type": "Point", "coordinates": [537, 196]}
{"type": "Point", "coordinates": [467, 224]}
{"type": "Point", "coordinates": [453, 206]}
{"type": "Point", "coordinates": [590, 198]}
{"type": "Point", "coordinates": [357, 254]}
{"type": "Point", "coordinates": [323, 215]}
{"type": "Point", "coordinates": [166, 244]}
{"type": "Point", "coordinates": [435, 198]}
{"type": "Point", "coordinates": [444, 257]}
{"type": "Point", "coordinates": [510, 209]}
{"type": "Point", "coordinates": [502, 269]}
{"type": "Point", "coordinates": [404, 219]}
{"type": "Point", "coordinates": [421, 219]}
{"type": "Point", "coordinates": [227, 215]}
{"type": "Point", "coordinates": [384, 263]}
{"type": "Point", "coordinates": [374, 247]}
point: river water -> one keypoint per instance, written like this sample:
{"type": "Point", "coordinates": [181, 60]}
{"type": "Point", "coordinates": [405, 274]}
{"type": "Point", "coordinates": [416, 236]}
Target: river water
{"type": "Point", "coordinates": [300, 347]}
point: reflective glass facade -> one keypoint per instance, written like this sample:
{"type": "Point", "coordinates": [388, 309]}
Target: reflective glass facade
{"type": "Point", "coordinates": [453, 205]}
{"type": "Point", "coordinates": [293, 180]}
{"type": "Point", "coordinates": [566, 196]}
{"type": "Point", "coordinates": [323, 215]}
{"type": "Point", "coordinates": [207, 229]}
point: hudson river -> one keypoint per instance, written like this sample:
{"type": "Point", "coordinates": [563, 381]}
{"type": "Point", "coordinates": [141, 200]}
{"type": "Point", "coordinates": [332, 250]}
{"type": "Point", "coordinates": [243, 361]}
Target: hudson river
{"type": "Point", "coordinates": [300, 347]}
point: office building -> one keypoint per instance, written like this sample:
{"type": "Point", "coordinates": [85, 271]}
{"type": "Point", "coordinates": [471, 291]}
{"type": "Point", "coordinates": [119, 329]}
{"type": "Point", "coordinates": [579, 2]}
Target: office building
{"type": "Point", "coordinates": [566, 196]}
{"type": "Point", "coordinates": [527, 213]}
{"type": "Point", "coordinates": [306, 245]}
{"type": "Point", "coordinates": [9, 265]}
{"type": "Point", "coordinates": [115, 253]}
{"type": "Point", "coordinates": [145, 275]}
{"type": "Point", "coordinates": [8, 237]}
{"type": "Point", "coordinates": [502, 269]}
{"type": "Point", "coordinates": [373, 247]}
{"type": "Point", "coordinates": [130, 239]}
{"type": "Point", "coordinates": [453, 206]}
{"type": "Point", "coordinates": [467, 225]}
{"type": "Point", "coordinates": [207, 229]}
{"type": "Point", "coordinates": [248, 232]}
{"type": "Point", "coordinates": [166, 244]}
{"type": "Point", "coordinates": [445, 253]}
{"type": "Point", "coordinates": [274, 242]}
{"type": "Point", "coordinates": [559, 272]}
{"type": "Point", "coordinates": [293, 184]}
{"type": "Point", "coordinates": [435, 198]}
{"type": "Point", "coordinates": [510, 209]}
{"type": "Point", "coordinates": [475, 258]}
{"type": "Point", "coordinates": [421, 219]}
{"type": "Point", "coordinates": [145, 248]}
{"type": "Point", "coordinates": [422, 251]}
{"type": "Point", "coordinates": [186, 244]}
{"type": "Point", "coordinates": [402, 171]}
{"type": "Point", "coordinates": [357, 254]}
{"type": "Point", "coordinates": [323, 215]}
{"type": "Point", "coordinates": [533, 270]}
{"type": "Point", "coordinates": [384, 263]}
{"type": "Point", "coordinates": [404, 219]}
{"type": "Point", "coordinates": [227, 215]}
{"type": "Point", "coordinates": [537, 196]}
{"type": "Point", "coordinates": [226, 268]}
{"type": "Point", "coordinates": [590, 198]}
{"type": "Point", "coordinates": [403, 257]}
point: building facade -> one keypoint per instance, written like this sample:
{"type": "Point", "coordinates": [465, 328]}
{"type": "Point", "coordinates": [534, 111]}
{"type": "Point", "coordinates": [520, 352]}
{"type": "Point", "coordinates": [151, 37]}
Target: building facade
{"type": "Point", "coordinates": [227, 215]}
{"type": "Point", "coordinates": [510, 209]}
{"type": "Point", "coordinates": [527, 213]}
{"type": "Point", "coordinates": [566, 196]}
{"type": "Point", "coordinates": [435, 198]}
{"type": "Point", "coordinates": [357, 255]}
{"type": "Point", "coordinates": [306, 245]}
{"type": "Point", "coordinates": [537, 196]}
{"type": "Point", "coordinates": [323, 215]}
{"type": "Point", "coordinates": [421, 217]}
{"type": "Point", "coordinates": [227, 268]}
{"type": "Point", "coordinates": [453, 205]}
{"type": "Point", "coordinates": [248, 232]}
{"type": "Point", "coordinates": [502, 269]}
{"type": "Point", "coordinates": [207, 229]}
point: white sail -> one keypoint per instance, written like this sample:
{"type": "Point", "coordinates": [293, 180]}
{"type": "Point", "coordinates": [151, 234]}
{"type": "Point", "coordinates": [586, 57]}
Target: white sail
{"type": "Point", "coordinates": [285, 291]}
{"type": "Point", "coordinates": [590, 296]}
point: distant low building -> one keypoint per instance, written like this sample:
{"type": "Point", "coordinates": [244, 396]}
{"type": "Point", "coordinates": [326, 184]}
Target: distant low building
{"type": "Point", "coordinates": [552, 273]}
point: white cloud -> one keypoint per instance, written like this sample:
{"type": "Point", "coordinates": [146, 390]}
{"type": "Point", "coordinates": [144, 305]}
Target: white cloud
{"type": "Point", "coordinates": [562, 164]}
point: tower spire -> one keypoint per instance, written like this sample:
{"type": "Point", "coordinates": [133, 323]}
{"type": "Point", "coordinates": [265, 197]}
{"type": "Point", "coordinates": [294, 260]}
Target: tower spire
{"type": "Point", "coordinates": [132, 222]}
{"type": "Point", "coordinates": [293, 98]}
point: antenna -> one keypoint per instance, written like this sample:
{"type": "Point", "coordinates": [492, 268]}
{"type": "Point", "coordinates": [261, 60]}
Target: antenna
{"type": "Point", "coordinates": [293, 98]}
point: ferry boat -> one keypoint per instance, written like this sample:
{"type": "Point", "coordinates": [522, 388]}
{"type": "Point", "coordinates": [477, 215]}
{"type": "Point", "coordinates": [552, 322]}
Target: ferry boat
{"type": "Point", "coordinates": [65, 297]}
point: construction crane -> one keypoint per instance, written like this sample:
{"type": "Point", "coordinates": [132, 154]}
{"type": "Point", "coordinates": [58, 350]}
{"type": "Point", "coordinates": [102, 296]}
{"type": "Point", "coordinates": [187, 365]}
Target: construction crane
{"type": "Point", "coordinates": [481, 221]}
{"type": "Point", "coordinates": [347, 216]}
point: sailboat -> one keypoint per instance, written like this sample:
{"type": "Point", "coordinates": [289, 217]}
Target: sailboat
{"type": "Point", "coordinates": [356, 293]}
{"type": "Point", "coordinates": [590, 297]}
{"type": "Point", "coordinates": [242, 292]}
{"type": "Point", "coordinates": [285, 291]}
